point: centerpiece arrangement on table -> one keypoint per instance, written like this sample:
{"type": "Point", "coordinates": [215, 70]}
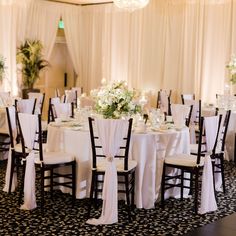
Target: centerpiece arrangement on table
{"type": "Point", "coordinates": [114, 100]}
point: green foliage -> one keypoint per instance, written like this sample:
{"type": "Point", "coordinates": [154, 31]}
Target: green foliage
{"type": "Point", "coordinates": [29, 55]}
{"type": "Point", "coordinates": [2, 67]}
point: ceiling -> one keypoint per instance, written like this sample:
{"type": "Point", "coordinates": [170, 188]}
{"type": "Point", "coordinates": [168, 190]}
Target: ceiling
{"type": "Point", "coordinates": [82, 1]}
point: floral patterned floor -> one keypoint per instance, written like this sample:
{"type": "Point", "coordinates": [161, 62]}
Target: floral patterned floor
{"type": "Point", "coordinates": [61, 219]}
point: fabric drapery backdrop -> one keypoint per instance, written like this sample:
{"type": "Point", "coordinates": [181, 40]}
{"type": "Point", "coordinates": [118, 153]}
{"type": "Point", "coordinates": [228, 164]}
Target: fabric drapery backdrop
{"type": "Point", "coordinates": [42, 24]}
{"type": "Point", "coordinates": [72, 22]}
{"type": "Point", "coordinates": [12, 14]}
{"type": "Point", "coordinates": [181, 45]}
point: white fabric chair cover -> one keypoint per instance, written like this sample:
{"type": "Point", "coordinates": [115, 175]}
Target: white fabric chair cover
{"type": "Point", "coordinates": [29, 125]}
{"type": "Point", "coordinates": [193, 119]}
{"type": "Point", "coordinates": [70, 96]}
{"type": "Point", "coordinates": [164, 101]}
{"type": "Point", "coordinates": [12, 113]}
{"type": "Point", "coordinates": [63, 110]}
{"type": "Point", "coordinates": [78, 89]}
{"type": "Point", "coordinates": [211, 128]}
{"type": "Point", "coordinates": [179, 113]}
{"type": "Point", "coordinates": [5, 99]}
{"type": "Point", "coordinates": [111, 133]}
{"type": "Point", "coordinates": [39, 101]}
{"type": "Point", "coordinates": [86, 102]}
{"type": "Point", "coordinates": [25, 105]}
{"type": "Point", "coordinates": [188, 97]}
{"type": "Point", "coordinates": [55, 100]}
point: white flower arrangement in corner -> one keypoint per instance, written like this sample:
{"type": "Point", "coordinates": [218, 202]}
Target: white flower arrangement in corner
{"type": "Point", "coordinates": [232, 69]}
{"type": "Point", "coordinates": [115, 100]}
{"type": "Point", "coordinates": [2, 67]}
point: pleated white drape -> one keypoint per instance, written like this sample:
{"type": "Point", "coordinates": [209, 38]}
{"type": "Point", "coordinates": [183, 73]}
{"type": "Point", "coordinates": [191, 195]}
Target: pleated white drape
{"type": "Point", "coordinates": [73, 33]}
{"type": "Point", "coordinates": [12, 14]}
{"type": "Point", "coordinates": [42, 24]}
{"type": "Point", "coordinates": [181, 45]}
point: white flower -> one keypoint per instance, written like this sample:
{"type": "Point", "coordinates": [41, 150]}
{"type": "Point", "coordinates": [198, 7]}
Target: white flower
{"type": "Point", "coordinates": [115, 100]}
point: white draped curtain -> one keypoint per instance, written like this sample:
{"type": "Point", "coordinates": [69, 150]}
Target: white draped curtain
{"type": "Point", "coordinates": [181, 45]}
{"type": "Point", "coordinates": [12, 15]}
{"type": "Point", "coordinates": [72, 22]}
{"type": "Point", "coordinates": [42, 24]}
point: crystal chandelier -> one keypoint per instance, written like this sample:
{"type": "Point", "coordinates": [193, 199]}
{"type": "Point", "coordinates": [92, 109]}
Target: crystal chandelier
{"type": "Point", "coordinates": [131, 5]}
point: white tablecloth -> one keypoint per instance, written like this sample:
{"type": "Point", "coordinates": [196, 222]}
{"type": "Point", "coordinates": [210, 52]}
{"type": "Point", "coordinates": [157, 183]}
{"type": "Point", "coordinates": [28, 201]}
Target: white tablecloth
{"type": "Point", "coordinates": [148, 149]}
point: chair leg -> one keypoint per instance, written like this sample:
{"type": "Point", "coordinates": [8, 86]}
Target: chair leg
{"type": "Point", "coordinates": [73, 183]}
{"type": "Point", "coordinates": [163, 186]}
{"type": "Point", "coordinates": [196, 191]}
{"type": "Point", "coordinates": [91, 193]}
{"type": "Point", "coordinates": [213, 172]}
{"type": "Point", "coordinates": [42, 190]}
{"type": "Point", "coordinates": [182, 186]}
{"type": "Point", "coordinates": [222, 172]}
{"type": "Point", "coordinates": [11, 172]}
{"type": "Point", "coordinates": [96, 190]}
{"type": "Point", "coordinates": [127, 195]}
{"type": "Point", "coordinates": [191, 184]}
{"type": "Point", "coordinates": [51, 182]}
{"type": "Point", "coordinates": [22, 183]}
{"type": "Point", "coordinates": [133, 189]}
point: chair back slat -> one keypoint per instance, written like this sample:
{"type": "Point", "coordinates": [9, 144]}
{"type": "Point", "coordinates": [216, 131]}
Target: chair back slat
{"type": "Point", "coordinates": [97, 148]}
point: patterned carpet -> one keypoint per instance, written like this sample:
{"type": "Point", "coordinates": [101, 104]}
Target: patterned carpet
{"type": "Point", "coordinates": [61, 219]}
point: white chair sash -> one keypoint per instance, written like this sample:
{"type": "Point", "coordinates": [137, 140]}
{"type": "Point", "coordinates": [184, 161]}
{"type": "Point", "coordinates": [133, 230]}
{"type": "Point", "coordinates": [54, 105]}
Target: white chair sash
{"type": "Point", "coordinates": [211, 127]}
{"type": "Point", "coordinates": [39, 101]}
{"type": "Point", "coordinates": [164, 101]}
{"type": "Point", "coordinates": [12, 114]}
{"type": "Point", "coordinates": [29, 124]}
{"type": "Point", "coordinates": [208, 201]}
{"type": "Point", "coordinates": [179, 113]}
{"type": "Point", "coordinates": [25, 105]}
{"type": "Point", "coordinates": [63, 110]}
{"type": "Point", "coordinates": [111, 133]}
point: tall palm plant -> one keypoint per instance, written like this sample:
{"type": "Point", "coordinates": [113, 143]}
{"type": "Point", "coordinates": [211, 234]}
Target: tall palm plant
{"type": "Point", "coordinates": [29, 55]}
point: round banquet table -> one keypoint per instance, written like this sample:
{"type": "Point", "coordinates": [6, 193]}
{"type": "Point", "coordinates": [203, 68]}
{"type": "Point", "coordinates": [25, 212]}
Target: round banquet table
{"type": "Point", "coordinates": [149, 150]}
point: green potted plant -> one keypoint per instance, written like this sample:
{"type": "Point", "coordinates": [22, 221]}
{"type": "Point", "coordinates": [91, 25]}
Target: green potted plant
{"type": "Point", "coordinates": [29, 55]}
{"type": "Point", "coordinates": [2, 68]}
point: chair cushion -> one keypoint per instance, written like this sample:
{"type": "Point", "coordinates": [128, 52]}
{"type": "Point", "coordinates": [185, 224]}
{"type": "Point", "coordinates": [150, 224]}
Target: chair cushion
{"type": "Point", "coordinates": [18, 147]}
{"type": "Point", "coordinates": [44, 125]}
{"type": "Point", "coordinates": [54, 158]}
{"type": "Point", "coordinates": [194, 148]}
{"type": "Point", "coordinates": [102, 163]}
{"type": "Point", "coordinates": [184, 160]}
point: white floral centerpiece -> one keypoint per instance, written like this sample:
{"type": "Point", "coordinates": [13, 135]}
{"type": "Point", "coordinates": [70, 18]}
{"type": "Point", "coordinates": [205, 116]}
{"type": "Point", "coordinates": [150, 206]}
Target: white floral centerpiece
{"type": "Point", "coordinates": [115, 100]}
{"type": "Point", "coordinates": [2, 67]}
{"type": "Point", "coordinates": [232, 69]}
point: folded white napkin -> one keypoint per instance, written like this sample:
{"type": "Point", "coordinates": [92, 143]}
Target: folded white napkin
{"type": "Point", "coordinates": [208, 201]}
{"type": "Point", "coordinates": [111, 133]}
